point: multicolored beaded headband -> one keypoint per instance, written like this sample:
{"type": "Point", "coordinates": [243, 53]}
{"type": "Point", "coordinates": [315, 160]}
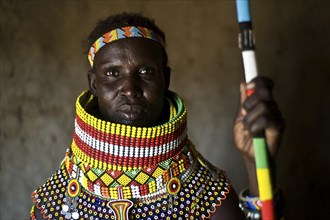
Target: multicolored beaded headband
{"type": "Point", "coordinates": [122, 33]}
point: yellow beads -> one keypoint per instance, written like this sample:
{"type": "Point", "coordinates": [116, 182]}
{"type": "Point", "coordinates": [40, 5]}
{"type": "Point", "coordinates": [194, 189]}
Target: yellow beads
{"type": "Point", "coordinates": [126, 130]}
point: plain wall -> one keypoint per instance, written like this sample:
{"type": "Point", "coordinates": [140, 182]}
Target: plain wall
{"type": "Point", "coordinates": [43, 70]}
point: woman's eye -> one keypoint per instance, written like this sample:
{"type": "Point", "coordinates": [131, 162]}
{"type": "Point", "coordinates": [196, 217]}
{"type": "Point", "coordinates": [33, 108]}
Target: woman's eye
{"type": "Point", "coordinates": [146, 71]}
{"type": "Point", "coordinates": [112, 73]}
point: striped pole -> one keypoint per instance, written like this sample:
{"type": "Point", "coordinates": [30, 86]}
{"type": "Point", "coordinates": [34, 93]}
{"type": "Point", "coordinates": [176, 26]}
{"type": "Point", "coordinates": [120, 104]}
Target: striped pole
{"type": "Point", "coordinates": [247, 45]}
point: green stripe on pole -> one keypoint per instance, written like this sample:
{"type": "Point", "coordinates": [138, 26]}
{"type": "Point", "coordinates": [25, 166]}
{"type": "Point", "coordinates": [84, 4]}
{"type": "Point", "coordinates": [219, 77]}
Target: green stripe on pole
{"type": "Point", "coordinates": [260, 152]}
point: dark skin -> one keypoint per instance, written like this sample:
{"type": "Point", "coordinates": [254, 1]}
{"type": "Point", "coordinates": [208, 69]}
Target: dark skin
{"type": "Point", "coordinates": [130, 81]}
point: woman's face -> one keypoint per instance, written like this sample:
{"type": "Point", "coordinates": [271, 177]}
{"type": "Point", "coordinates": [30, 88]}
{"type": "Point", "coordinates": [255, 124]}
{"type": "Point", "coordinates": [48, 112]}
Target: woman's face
{"type": "Point", "coordinates": [130, 81]}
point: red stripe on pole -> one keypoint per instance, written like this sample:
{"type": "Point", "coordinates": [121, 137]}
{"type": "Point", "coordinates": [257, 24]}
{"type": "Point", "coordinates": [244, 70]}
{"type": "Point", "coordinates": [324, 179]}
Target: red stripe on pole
{"type": "Point", "coordinates": [267, 210]}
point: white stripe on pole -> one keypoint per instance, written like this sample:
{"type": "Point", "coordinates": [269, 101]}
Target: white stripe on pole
{"type": "Point", "coordinates": [250, 65]}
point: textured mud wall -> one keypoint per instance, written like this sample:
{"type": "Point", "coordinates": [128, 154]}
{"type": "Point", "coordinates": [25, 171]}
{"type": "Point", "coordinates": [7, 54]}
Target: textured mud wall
{"type": "Point", "coordinates": [43, 69]}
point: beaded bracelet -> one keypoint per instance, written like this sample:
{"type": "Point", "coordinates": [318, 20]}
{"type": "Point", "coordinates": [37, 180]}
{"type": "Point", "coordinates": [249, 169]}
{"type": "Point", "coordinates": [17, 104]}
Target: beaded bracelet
{"type": "Point", "coordinates": [251, 206]}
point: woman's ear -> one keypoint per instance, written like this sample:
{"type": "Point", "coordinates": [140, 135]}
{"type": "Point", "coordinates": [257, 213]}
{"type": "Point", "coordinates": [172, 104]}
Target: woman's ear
{"type": "Point", "coordinates": [167, 77]}
{"type": "Point", "coordinates": [92, 82]}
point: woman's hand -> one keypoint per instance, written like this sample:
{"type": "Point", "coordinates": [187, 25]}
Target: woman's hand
{"type": "Point", "coordinates": [258, 113]}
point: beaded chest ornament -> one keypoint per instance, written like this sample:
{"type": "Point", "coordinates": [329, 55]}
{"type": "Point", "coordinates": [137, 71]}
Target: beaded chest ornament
{"type": "Point", "coordinates": [156, 173]}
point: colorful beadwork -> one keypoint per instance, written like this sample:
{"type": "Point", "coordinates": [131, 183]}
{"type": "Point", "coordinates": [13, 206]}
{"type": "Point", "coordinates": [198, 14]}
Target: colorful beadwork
{"type": "Point", "coordinates": [251, 206]}
{"type": "Point", "coordinates": [198, 198]}
{"type": "Point", "coordinates": [120, 208]}
{"type": "Point", "coordinates": [73, 188]}
{"type": "Point", "coordinates": [122, 33]}
{"type": "Point", "coordinates": [143, 183]}
{"type": "Point", "coordinates": [109, 146]}
{"type": "Point", "coordinates": [186, 187]}
{"type": "Point", "coordinates": [173, 186]}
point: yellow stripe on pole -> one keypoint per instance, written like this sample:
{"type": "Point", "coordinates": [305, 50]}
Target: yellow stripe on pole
{"type": "Point", "coordinates": [264, 184]}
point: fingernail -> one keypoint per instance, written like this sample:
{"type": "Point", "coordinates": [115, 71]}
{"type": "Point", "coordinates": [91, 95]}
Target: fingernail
{"type": "Point", "coordinates": [243, 112]}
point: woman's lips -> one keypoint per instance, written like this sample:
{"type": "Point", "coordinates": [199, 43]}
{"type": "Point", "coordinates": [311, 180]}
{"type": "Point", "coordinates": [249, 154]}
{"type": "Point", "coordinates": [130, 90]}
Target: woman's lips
{"type": "Point", "coordinates": [130, 111]}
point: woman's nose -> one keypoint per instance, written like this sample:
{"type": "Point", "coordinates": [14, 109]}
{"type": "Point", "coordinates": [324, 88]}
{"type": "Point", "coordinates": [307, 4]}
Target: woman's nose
{"type": "Point", "coordinates": [131, 87]}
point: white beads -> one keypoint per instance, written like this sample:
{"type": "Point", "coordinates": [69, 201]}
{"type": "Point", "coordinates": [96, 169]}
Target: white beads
{"type": "Point", "coordinates": [65, 208]}
{"type": "Point", "coordinates": [75, 215]}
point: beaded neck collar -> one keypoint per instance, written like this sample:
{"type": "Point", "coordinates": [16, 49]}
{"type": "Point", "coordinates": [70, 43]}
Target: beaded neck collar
{"type": "Point", "coordinates": [109, 146]}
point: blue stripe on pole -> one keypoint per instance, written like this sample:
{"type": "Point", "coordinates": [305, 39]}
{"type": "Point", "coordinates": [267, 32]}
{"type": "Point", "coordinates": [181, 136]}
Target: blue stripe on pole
{"type": "Point", "coordinates": [243, 10]}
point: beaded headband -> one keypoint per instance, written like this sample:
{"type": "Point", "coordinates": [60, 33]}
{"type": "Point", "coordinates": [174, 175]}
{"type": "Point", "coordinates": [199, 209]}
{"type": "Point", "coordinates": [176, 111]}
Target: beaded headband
{"type": "Point", "coordinates": [122, 33]}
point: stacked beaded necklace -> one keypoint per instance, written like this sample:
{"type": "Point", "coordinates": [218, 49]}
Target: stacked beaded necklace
{"type": "Point", "coordinates": [121, 172]}
{"type": "Point", "coordinates": [111, 146]}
